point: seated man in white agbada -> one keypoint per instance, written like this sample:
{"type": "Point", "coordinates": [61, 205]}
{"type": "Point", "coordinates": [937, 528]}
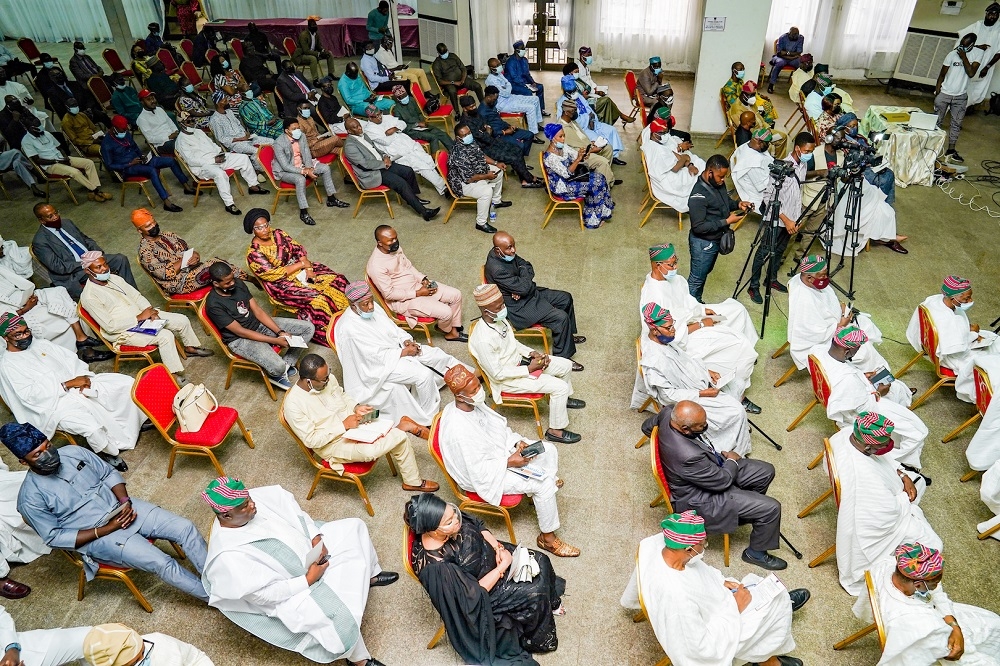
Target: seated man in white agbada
{"type": "Point", "coordinates": [923, 627]}
{"type": "Point", "coordinates": [815, 314]}
{"type": "Point", "coordinates": [673, 169]}
{"type": "Point", "coordinates": [719, 334]}
{"type": "Point", "coordinates": [877, 223]}
{"type": "Point", "coordinates": [294, 582]}
{"type": "Point", "coordinates": [386, 132]}
{"type": "Point", "coordinates": [701, 617]}
{"type": "Point", "coordinates": [989, 493]}
{"type": "Point", "coordinates": [50, 313]}
{"type": "Point", "coordinates": [852, 392]}
{"type": "Point", "coordinates": [383, 366]}
{"type": "Point", "coordinates": [516, 368]}
{"type": "Point", "coordinates": [49, 387]}
{"type": "Point", "coordinates": [671, 375]}
{"type": "Point", "coordinates": [879, 500]}
{"type": "Point", "coordinates": [483, 455]}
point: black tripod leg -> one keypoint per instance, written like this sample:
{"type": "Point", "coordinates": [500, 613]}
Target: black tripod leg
{"type": "Point", "coordinates": [763, 434]}
{"type": "Point", "coordinates": [788, 543]}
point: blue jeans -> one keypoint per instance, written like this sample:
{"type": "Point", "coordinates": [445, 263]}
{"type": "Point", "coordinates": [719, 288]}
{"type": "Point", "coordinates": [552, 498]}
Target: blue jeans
{"type": "Point", "coordinates": [703, 256]}
{"type": "Point", "coordinates": [522, 139]}
{"type": "Point", "coordinates": [151, 170]}
{"type": "Point", "coordinates": [884, 180]}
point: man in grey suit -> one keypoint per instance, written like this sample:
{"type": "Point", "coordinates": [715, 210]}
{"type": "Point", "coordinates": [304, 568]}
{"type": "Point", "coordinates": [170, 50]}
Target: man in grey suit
{"type": "Point", "coordinates": [297, 166]}
{"type": "Point", "coordinates": [372, 167]}
{"type": "Point", "coordinates": [724, 488]}
{"type": "Point", "coordinates": [58, 245]}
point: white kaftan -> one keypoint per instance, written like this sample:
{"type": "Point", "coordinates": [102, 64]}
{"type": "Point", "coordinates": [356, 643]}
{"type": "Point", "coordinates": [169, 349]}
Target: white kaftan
{"type": "Point", "coordinates": [600, 129]}
{"type": "Point", "coordinates": [695, 617]}
{"type": "Point", "coordinates": [984, 449]}
{"type": "Point", "coordinates": [30, 383]}
{"type": "Point", "coordinates": [875, 513]}
{"type": "Point", "coordinates": [16, 258]}
{"type": "Point", "coordinates": [672, 375]}
{"type": "Point", "coordinates": [915, 631]}
{"type": "Point", "coordinates": [475, 447]}
{"type": "Point", "coordinates": [404, 150]}
{"type": "Point", "coordinates": [955, 338]}
{"type": "Point", "coordinates": [851, 393]}
{"type": "Point", "coordinates": [750, 174]}
{"type": "Point", "coordinates": [52, 318]}
{"type": "Point", "coordinates": [669, 187]}
{"type": "Point", "coordinates": [989, 492]}
{"type": "Point", "coordinates": [979, 87]}
{"type": "Point", "coordinates": [878, 221]}
{"type": "Point", "coordinates": [255, 575]}
{"type": "Point", "coordinates": [375, 374]}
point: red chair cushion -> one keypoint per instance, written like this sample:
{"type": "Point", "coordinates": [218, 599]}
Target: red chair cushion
{"type": "Point", "coordinates": [523, 396]}
{"type": "Point", "coordinates": [130, 348]}
{"type": "Point", "coordinates": [196, 295]}
{"type": "Point", "coordinates": [506, 501]}
{"type": "Point", "coordinates": [285, 186]}
{"type": "Point", "coordinates": [422, 320]}
{"type": "Point", "coordinates": [947, 372]}
{"type": "Point", "coordinates": [136, 179]}
{"type": "Point", "coordinates": [216, 427]}
{"type": "Point", "coordinates": [327, 159]}
{"type": "Point", "coordinates": [101, 566]}
{"type": "Point", "coordinates": [443, 110]}
{"type": "Point", "coordinates": [358, 468]}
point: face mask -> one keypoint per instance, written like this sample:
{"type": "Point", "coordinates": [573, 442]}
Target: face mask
{"type": "Point", "coordinates": [394, 247]}
{"type": "Point", "coordinates": [805, 157]}
{"type": "Point", "coordinates": [352, 74]}
{"type": "Point", "coordinates": [508, 257]}
{"type": "Point", "coordinates": [668, 100]}
{"type": "Point", "coordinates": [225, 64]}
{"type": "Point", "coordinates": [827, 90]}
{"type": "Point", "coordinates": [522, 52]}
{"type": "Point", "coordinates": [657, 70]}
{"type": "Point", "coordinates": [574, 115]}
{"type": "Point", "coordinates": [671, 274]}
{"type": "Point", "coordinates": [120, 86]}
{"type": "Point", "coordinates": [102, 277]}
{"type": "Point", "coordinates": [366, 315]}
{"type": "Point", "coordinates": [189, 88]}
{"type": "Point", "coordinates": [23, 343]}
{"type": "Point", "coordinates": [313, 389]}
{"type": "Point", "coordinates": [405, 101]}
{"type": "Point", "coordinates": [74, 110]}
{"type": "Point", "coordinates": [697, 557]}
{"type": "Point", "coordinates": [560, 145]}
{"type": "Point", "coordinates": [47, 462]}
{"type": "Point", "coordinates": [821, 283]}
{"type": "Point", "coordinates": [665, 339]}
{"type": "Point", "coordinates": [468, 139]}
{"type": "Point", "coordinates": [305, 113]}
{"type": "Point", "coordinates": [444, 56]}
{"type": "Point", "coordinates": [589, 59]}
{"type": "Point", "coordinates": [370, 52]}
{"type": "Point", "coordinates": [751, 100]}
{"type": "Point", "coordinates": [741, 74]}
{"type": "Point", "coordinates": [80, 51]}
{"type": "Point", "coordinates": [478, 399]}
{"type": "Point", "coordinates": [964, 306]}
{"type": "Point", "coordinates": [154, 232]}
{"type": "Point", "coordinates": [49, 65]}
{"type": "Point", "coordinates": [576, 75]}
{"type": "Point", "coordinates": [501, 315]}
{"type": "Point", "coordinates": [296, 134]}
{"type": "Point", "coordinates": [497, 70]}
{"type": "Point", "coordinates": [121, 135]}
{"type": "Point", "coordinates": [923, 595]}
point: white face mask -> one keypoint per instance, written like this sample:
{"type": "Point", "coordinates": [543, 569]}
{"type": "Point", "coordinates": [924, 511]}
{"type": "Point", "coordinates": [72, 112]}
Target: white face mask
{"type": "Point", "coordinates": [370, 52]}
{"type": "Point", "coordinates": [81, 51]}
{"type": "Point", "coordinates": [671, 274]}
{"type": "Point", "coordinates": [560, 145]}
{"type": "Point", "coordinates": [751, 100]}
{"type": "Point", "coordinates": [479, 399]}
{"type": "Point", "coordinates": [964, 306]}
{"type": "Point", "coordinates": [501, 315]}
{"type": "Point", "coordinates": [73, 109]}
{"type": "Point", "coordinates": [697, 557]}
{"type": "Point", "coordinates": [305, 113]}
{"type": "Point", "coordinates": [522, 52]}
{"type": "Point", "coordinates": [102, 277]}
{"type": "Point", "coordinates": [805, 156]}
{"type": "Point", "coordinates": [296, 134]}
{"type": "Point", "coordinates": [404, 101]}
{"type": "Point", "coordinates": [497, 70]}
{"type": "Point", "coordinates": [312, 388]}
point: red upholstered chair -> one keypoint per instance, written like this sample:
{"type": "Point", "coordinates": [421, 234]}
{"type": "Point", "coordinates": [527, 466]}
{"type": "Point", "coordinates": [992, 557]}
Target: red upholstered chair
{"type": "Point", "coordinates": [115, 63]}
{"type": "Point", "coordinates": [821, 391]}
{"type": "Point", "coordinates": [833, 490]}
{"type": "Point", "coordinates": [125, 352]}
{"type": "Point", "coordinates": [192, 300]}
{"type": "Point", "coordinates": [929, 344]}
{"type": "Point", "coordinates": [153, 393]}
{"type": "Point", "coordinates": [188, 47]}
{"type": "Point", "coordinates": [281, 189]}
{"type": "Point", "coordinates": [30, 51]}
{"type": "Point", "coordinates": [443, 115]}
{"type": "Point", "coordinates": [984, 394]}
{"type": "Point", "coordinates": [99, 89]}
{"type": "Point", "coordinates": [630, 87]}
{"type": "Point", "coordinates": [423, 323]}
{"type": "Point", "coordinates": [786, 68]}
{"type": "Point", "coordinates": [236, 362]}
{"type": "Point", "coordinates": [49, 178]}
{"type": "Point", "coordinates": [408, 539]}
{"type": "Point", "coordinates": [556, 202]}
{"type": "Point", "coordinates": [353, 472]}
{"type": "Point", "coordinates": [132, 181]}
{"type": "Point", "coordinates": [640, 107]}
{"type": "Point", "coordinates": [650, 400]}
{"type": "Point", "coordinates": [190, 72]}
{"type": "Point", "coordinates": [237, 45]}
{"type": "Point", "coordinates": [661, 481]}
{"type": "Point", "coordinates": [441, 159]}
{"type": "Point", "coordinates": [114, 572]}
{"type": "Point", "coordinates": [514, 119]}
{"type": "Point", "coordinates": [206, 183]}
{"type": "Point", "coordinates": [167, 58]}
{"type": "Point", "coordinates": [468, 500]}
{"type": "Point", "coordinates": [374, 193]}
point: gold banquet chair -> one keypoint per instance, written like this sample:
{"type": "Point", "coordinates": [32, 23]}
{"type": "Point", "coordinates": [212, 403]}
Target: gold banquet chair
{"type": "Point", "coordinates": [877, 625]}
{"type": "Point", "coordinates": [650, 400]}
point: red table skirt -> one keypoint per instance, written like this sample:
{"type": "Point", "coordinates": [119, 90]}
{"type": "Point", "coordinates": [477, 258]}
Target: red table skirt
{"type": "Point", "coordinates": [337, 35]}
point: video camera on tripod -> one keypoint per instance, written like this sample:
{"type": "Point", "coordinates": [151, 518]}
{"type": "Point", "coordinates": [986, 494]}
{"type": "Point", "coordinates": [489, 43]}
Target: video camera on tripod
{"type": "Point", "coordinates": [781, 169]}
{"type": "Point", "coordinates": [858, 155]}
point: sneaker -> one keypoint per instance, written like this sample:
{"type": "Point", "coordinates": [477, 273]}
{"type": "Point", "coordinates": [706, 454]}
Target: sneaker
{"type": "Point", "coordinates": [755, 295]}
{"type": "Point", "coordinates": [777, 286]}
{"type": "Point", "coordinates": [281, 382]}
{"type": "Point", "coordinates": [953, 156]}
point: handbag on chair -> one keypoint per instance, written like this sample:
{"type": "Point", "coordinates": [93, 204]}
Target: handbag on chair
{"type": "Point", "coordinates": [192, 405]}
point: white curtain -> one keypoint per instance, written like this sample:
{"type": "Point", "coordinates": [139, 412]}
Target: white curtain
{"type": "Point", "coordinates": [564, 34]}
{"type": "Point", "coordinates": [140, 13]}
{"type": "Point", "coordinates": [55, 20]}
{"type": "Point", "coordinates": [811, 17]}
{"type": "Point", "coordinates": [489, 37]}
{"type": "Point", "coordinates": [867, 26]}
{"type": "Point", "coordinates": [259, 9]}
{"type": "Point", "coordinates": [522, 19]}
{"type": "Point", "coordinates": [631, 31]}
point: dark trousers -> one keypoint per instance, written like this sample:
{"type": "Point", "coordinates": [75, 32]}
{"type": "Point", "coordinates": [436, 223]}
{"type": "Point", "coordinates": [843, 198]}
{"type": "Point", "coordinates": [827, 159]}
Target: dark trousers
{"type": "Point", "coordinates": [436, 137]}
{"type": "Point", "coordinates": [452, 93]}
{"type": "Point", "coordinates": [522, 138]}
{"type": "Point", "coordinates": [755, 507]}
{"type": "Point", "coordinates": [703, 256]}
{"type": "Point", "coordinates": [780, 237]}
{"type": "Point", "coordinates": [403, 181]}
{"type": "Point", "coordinates": [151, 170]}
{"type": "Point", "coordinates": [166, 148]}
{"type": "Point", "coordinates": [560, 319]}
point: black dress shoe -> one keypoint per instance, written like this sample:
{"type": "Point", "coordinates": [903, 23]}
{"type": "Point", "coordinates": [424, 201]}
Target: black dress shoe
{"type": "Point", "coordinates": [384, 578]}
{"type": "Point", "coordinates": [307, 218]}
{"type": "Point", "coordinates": [573, 403]}
{"type": "Point", "coordinates": [534, 185]}
{"type": "Point", "coordinates": [546, 114]}
{"type": "Point", "coordinates": [199, 351]}
{"type": "Point", "coordinates": [171, 207]}
{"type": "Point", "coordinates": [769, 561]}
{"type": "Point", "coordinates": [89, 342]}
{"type": "Point", "coordinates": [503, 204]}
{"type": "Point", "coordinates": [462, 337]}
{"type": "Point", "coordinates": [375, 662]}
{"type": "Point", "coordinates": [799, 598]}
{"type": "Point", "coordinates": [95, 355]}
{"type": "Point", "coordinates": [114, 461]}
{"type": "Point", "coordinates": [755, 295]}
{"type": "Point", "coordinates": [777, 286]}
{"type": "Point", "coordinates": [567, 437]}
{"type": "Point", "coordinates": [618, 181]}
{"type": "Point", "coordinates": [579, 339]}
{"type": "Point", "coordinates": [750, 407]}
{"type": "Point", "coordinates": [431, 213]}
{"type": "Point", "coordinates": [233, 210]}
{"type": "Point", "coordinates": [146, 426]}
{"type": "Point", "coordinates": [618, 162]}
{"type": "Point", "coordinates": [577, 367]}
{"type": "Point", "coordinates": [423, 201]}
{"type": "Point", "coordinates": [332, 201]}
{"type": "Point", "coordinates": [537, 141]}
{"type": "Point", "coordinates": [258, 190]}
{"type": "Point", "coordinates": [783, 660]}
{"type": "Point", "coordinates": [486, 228]}
{"type": "Point", "coordinates": [770, 87]}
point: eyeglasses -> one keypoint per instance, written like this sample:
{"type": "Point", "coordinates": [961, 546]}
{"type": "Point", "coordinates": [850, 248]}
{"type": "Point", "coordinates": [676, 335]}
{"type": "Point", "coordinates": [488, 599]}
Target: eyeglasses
{"type": "Point", "coordinates": [260, 227]}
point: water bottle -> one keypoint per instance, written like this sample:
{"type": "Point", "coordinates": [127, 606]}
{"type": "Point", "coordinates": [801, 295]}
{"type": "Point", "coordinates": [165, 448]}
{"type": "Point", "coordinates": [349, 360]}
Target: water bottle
{"type": "Point", "coordinates": [493, 216]}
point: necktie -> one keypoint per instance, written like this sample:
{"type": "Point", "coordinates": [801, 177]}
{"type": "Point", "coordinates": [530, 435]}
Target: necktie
{"type": "Point", "coordinates": [76, 247]}
{"type": "Point", "coordinates": [303, 87]}
{"type": "Point", "coordinates": [719, 460]}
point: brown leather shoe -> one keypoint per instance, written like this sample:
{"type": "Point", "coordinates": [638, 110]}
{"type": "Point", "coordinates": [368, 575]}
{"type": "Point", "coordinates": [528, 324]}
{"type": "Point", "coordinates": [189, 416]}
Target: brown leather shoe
{"type": "Point", "coordinates": [406, 424]}
{"type": "Point", "coordinates": [11, 589]}
{"type": "Point", "coordinates": [426, 486]}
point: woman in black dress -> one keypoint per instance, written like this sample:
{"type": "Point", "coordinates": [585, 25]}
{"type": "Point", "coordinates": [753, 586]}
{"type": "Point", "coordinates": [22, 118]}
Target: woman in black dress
{"type": "Point", "coordinates": [490, 619]}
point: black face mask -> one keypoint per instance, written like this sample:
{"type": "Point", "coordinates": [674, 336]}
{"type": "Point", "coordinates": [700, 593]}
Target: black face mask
{"type": "Point", "coordinates": [352, 74]}
{"type": "Point", "coordinates": [47, 462]}
{"type": "Point", "coordinates": [23, 343]}
{"type": "Point", "coordinates": [694, 435]}
{"type": "Point", "coordinates": [227, 292]}
{"type": "Point", "coordinates": [472, 113]}
{"type": "Point", "coordinates": [492, 104]}
{"type": "Point", "coordinates": [395, 246]}
{"type": "Point", "coordinates": [154, 232]}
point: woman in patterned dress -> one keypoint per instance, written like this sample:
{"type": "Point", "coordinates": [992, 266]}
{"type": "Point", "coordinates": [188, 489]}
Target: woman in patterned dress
{"type": "Point", "coordinates": [561, 162]}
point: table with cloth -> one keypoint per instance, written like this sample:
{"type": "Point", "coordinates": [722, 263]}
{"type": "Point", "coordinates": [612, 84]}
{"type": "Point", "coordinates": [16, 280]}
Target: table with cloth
{"type": "Point", "coordinates": [336, 35]}
{"type": "Point", "coordinates": [910, 152]}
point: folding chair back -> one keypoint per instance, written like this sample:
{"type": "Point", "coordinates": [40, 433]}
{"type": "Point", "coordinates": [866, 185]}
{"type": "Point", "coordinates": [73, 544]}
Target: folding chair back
{"type": "Point", "coordinates": [237, 45]}
{"type": "Point", "coordinates": [820, 383]}
{"type": "Point", "coordinates": [190, 72]}
{"type": "Point", "coordinates": [167, 58]}
{"type": "Point", "coordinates": [115, 62]}
{"type": "Point", "coordinates": [101, 91]}
{"type": "Point", "coordinates": [188, 47]}
{"type": "Point", "coordinates": [658, 473]}
{"type": "Point", "coordinates": [831, 471]}
{"type": "Point", "coordinates": [30, 51]}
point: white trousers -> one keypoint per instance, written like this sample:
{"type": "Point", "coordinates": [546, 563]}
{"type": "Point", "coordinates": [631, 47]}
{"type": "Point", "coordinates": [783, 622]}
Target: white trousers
{"type": "Point", "coordinates": [52, 647]}
{"type": "Point", "coordinates": [485, 192]}
{"type": "Point", "coordinates": [555, 381]}
{"type": "Point", "coordinates": [217, 172]}
{"type": "Point", "coordinates": [542, 493]}
{"type": "Point", "coordinates": [176, 324]}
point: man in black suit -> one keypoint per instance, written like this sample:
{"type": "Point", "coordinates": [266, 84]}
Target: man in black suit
{"type": "Point", "coordinates": [58, 245]}
{"type": "Point", "coordinates": [527, 303]}
{"type": "Point", "coordinates": [293, 88]}
{"type": "Point", "coordinates": [724, 488]}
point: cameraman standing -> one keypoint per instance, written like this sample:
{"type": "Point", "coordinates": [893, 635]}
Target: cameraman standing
{"type": "Point", "coordinates": [951, 92]}
{"type": "Point", "coordinates": [789, 209]}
